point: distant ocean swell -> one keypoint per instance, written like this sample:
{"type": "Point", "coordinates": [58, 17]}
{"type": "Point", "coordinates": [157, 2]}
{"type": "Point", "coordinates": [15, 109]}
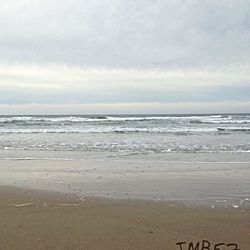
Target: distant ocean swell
{"type": "Point", "coordinates": [209, 119]}
{"type": "Point", "coordinates": [125, 124]}
{"type": "Point", "coordinates": [127, 133]}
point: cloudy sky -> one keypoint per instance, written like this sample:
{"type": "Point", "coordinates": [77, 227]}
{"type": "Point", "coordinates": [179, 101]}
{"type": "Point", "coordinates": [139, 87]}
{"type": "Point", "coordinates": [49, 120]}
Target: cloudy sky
{"type": "Point", "coordinates": [124, 56]}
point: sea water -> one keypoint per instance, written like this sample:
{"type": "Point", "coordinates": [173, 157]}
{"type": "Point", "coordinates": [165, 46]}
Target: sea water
{"type": "Point", "coordinates": [127, 134]}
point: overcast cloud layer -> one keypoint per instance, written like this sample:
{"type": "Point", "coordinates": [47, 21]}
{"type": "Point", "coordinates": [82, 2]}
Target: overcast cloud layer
{"type": "Point", "coordinates": [106, 56]}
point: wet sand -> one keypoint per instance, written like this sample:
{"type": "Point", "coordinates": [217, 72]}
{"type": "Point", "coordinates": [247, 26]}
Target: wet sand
{"type": "Point", "coordinates": [48, 220]}
{"type": "Point", "coordinates": [214, 179]}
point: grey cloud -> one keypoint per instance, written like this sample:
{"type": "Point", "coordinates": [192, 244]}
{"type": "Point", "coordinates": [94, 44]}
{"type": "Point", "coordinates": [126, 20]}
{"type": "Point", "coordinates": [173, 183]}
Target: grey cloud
{"type": "Point", "coordinates": [118, 33]}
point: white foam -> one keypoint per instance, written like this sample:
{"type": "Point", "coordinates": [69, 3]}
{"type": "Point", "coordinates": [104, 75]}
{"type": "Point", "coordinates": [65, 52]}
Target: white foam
{"type": "Point", "coordinates": [107, 129]}
{"type": "Point", "coordinates": [237, 129]}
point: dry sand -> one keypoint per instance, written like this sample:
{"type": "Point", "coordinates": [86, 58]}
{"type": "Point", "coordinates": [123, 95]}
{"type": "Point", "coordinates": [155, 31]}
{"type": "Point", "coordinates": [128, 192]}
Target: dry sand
{"type": "Point", "coordinates": [45, 220]}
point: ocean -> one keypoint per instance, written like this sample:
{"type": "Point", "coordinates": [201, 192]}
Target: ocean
{"type": "Point", "coordinates": [127, 134]}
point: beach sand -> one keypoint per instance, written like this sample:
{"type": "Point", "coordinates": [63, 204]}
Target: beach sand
{"type": "Point", "coordinates": [210, 178]}
{"type": "Point", "coordinates": [48, 220]}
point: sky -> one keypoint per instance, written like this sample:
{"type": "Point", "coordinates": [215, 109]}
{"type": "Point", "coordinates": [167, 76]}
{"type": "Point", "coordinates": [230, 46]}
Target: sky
{"type": "Point", "coordinates": [124, 56]}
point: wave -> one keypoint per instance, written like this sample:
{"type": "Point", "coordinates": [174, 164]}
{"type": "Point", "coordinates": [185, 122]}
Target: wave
{"type": "Point", "coordinates": [77, 119]}
{"type": "Point", "coordinates": [222, 121]}
{"type": "Point", "coordinates": [107, 130]}
{"type": "Point", "coordinates": [192, 118]}
{"type": "Point", "coordinates": [179, 131]}
{"type": "Point", "coordinates": [234, 129]}
{"type": "Point", "coordinates": [127, 118]}
{"type": "Point", "coordinates": [35, 119]}
{"type": "Point", "coordinates": [180, 125]}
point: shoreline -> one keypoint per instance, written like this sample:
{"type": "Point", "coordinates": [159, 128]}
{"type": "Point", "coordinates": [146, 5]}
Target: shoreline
{"type": "Point", "coordinates": [52, 220]}
{"type": "Point", "coordinates": [209, 179]}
